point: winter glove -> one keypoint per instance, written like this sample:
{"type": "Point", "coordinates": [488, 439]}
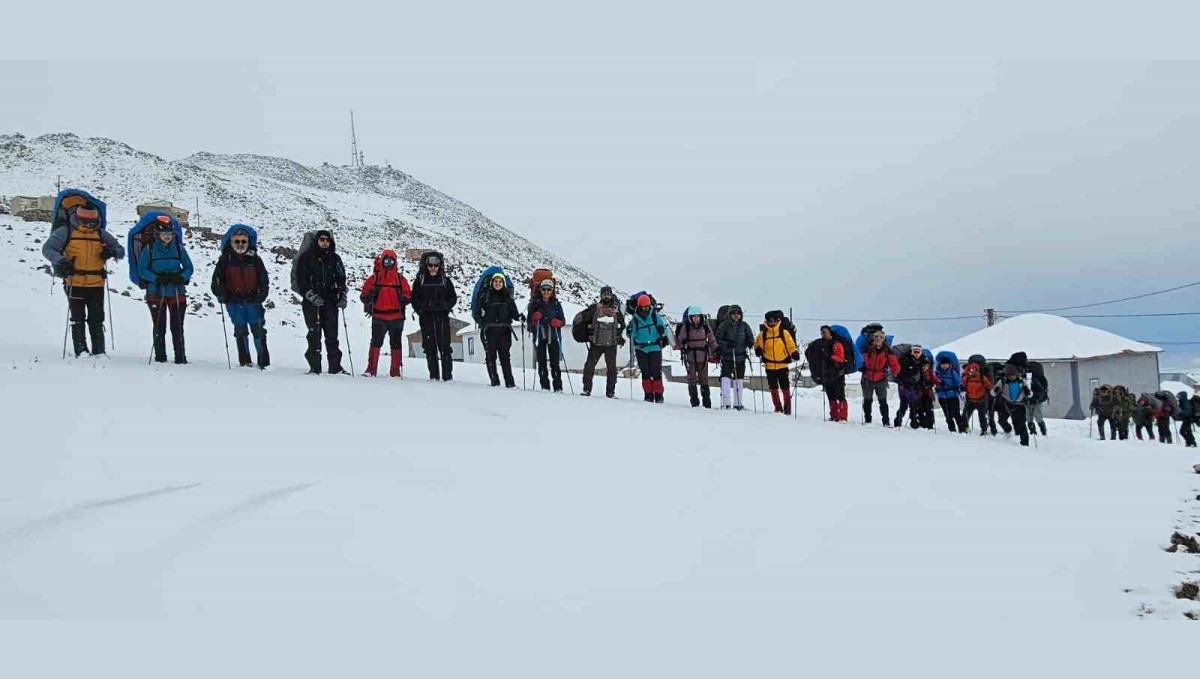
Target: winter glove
{"type": "Point", "coordinates": [556, 323]}
{"type": "Point", "coordinates": [662, 342]}
{"type": "Point", "coordinates": [105, 253]}
{"type": "Point", "coordinates": [314, 299]}
{"type": "Point", "coordinates": [758, 352]}
{"type": "Point", "coordinates": [537, 316]}
{"type": "Point", "coordinates": [66, 268]}
{"type": "Point", "coordinates": [521, 317]}
{"type": "Point", "coordinates": [795, 356]}
{"type": "Point", "coordinates": [620, 341]}
{"type": "Point", "coordinates": [714, 359]}
{"type": "Point", "coordinates": [341, 303]}
{"type": "Point", "coordinates": [368, 308]}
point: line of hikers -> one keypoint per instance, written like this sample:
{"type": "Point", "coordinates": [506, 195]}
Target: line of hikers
{"type": "Point", "coordinates": [79, 247]}
{"type": "Point", "coordinates": [1115, 406]}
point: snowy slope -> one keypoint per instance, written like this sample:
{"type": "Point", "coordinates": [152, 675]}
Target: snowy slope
{"type": "Point", "coordinates": [369, 209]}
{"type": "Point", "coordinates": [194, 492]}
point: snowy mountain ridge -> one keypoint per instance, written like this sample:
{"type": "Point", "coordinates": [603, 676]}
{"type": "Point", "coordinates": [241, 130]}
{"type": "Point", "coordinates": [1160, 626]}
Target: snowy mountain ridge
{"type": "Point", "coordinates": [368, 208]}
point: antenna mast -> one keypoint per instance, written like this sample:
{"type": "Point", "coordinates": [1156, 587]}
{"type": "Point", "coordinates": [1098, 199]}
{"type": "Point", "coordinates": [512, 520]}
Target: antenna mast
{"type": "Point", "coordinates": [355, 155]}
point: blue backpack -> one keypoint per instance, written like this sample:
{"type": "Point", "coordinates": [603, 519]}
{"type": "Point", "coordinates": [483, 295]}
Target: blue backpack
{"type": "Point", "coordinates": [952, 358]}
{"type": "Point", "coordinates": [843, 335]}
{"type": "Point", "coordinates": [69, 199]}
{"type": "Point", "coordinates": [487, 275]}
{"type": "Point", "coordinates": [141, 236]}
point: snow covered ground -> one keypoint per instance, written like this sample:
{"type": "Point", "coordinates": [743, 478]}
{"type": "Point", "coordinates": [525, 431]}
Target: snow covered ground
{"type": "Point", "coordinates": [194, 493]}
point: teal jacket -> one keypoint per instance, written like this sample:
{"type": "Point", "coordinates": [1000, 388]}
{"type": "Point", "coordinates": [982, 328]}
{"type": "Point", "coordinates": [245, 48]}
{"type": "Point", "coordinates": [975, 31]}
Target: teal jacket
{"type": "Point", "coordinates": [648, 333]}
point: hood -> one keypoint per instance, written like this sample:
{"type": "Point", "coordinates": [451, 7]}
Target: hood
{"type": "Point", "coordinates": [317, 237]}
{"type": "Point", "coordinates": [1019, 358]}
{"type": "Point", "coordinates": [425, 259]}
{"type": "Point", "coordinates": [380, 258]}
{"type": "Point", "coordinates": [736, 309]}
{"type": "Point", "coordinates": [231, 231]}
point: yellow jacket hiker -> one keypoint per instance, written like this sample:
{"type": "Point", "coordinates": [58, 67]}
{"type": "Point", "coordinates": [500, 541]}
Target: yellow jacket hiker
{"type": "Point", "coordinates": [78, 249]}
{"type": "Point", "coordinates": [776, 346]}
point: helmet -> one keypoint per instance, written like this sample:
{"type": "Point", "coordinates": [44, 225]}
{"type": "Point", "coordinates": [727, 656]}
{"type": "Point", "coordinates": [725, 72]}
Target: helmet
{"type": "Point", "coordinates": [162, 224]}
{"type": "Point", "coordinates": [643, 301]}
{"type": "Point", "coordinates": [497, 275]}
{"type": "Point", "coordinates": [547, 285]}
{"type": "Point", "coordinates": [694, 311]}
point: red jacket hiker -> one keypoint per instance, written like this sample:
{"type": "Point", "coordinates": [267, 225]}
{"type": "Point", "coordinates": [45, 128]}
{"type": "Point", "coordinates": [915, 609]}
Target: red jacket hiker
{"type": "Point", "coordinates": [976, 384]}
{"type": "Point", "coordinates": [385, 293]}
{"type": "Point", "coordinates": [877, 362]}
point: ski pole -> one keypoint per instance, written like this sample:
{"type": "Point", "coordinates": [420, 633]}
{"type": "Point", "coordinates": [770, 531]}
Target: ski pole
{"type": "Point", "coordinates": [112, 333]}
{"type": "Point", "coordinates": [67, 325]}
{"type": "Point", "coordinates": [225, 331]}
{"type": "Point", "coordinates": [523, 356]}
{"type": "Point", "coordinates": [349, 344]}
{"type": "Point", "coordinates": [629, 371]}
{"type": "Point", "coordinates": [562, 359]}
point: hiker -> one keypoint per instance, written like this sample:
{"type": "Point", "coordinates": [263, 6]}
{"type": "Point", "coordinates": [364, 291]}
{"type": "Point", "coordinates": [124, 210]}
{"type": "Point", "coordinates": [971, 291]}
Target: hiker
{"type": "Point", "coordinates": [950, 379]}
{"type": "Point", "coordinates": [977, 387]}
{"type": "Point", "coordinates": [323, 278]}
{"type": "Point", "coordinates": [1143, 417]}
{"type": "Point", "coordinates": [916, 382]}
{"type": "Point", "coordinates": [1039, 389]}
{"type": "Point", "coordinates": [1166, 410]}
{"type": "Point", "coordinates": [433, 298]}
{"type": "Point", "coordinates": [878, 362]}
{"type": "Point", "coordinates": [999, 408]}
{"type": "Point", "coordinates": [497, 311]}
{"type": "Point", "coordinates": [777, 348]}
{"type": "Point", "coordinates": [1015, 394]}
{"type": "Point", "coordinates": [829, 358]}
{"type": "Point", "coordinates": [649, 335]}
{"type": "Point", "coordinates": [695, 342]}
{"type": "Point", "coordinates": [240, 282]}
{"type": "Point", "coordinates": [1102, 407]}
{"type": "Point", "coordinates": [1187, 416]}
{"type": "Point", "coordinates": [78, 251]}
{"type": "Point", "coordinates": [1122, 410]}
{"type": "Point", "coordinates": [734, 340]}
{"type": "Point", "coordinates": [605, 332]}
{"type": "Point", "coordinates": [545, 322]}
{"type": "Point", "coordinates": [384, 295]}
{"type": "Point", "coordinates": [166, 268]}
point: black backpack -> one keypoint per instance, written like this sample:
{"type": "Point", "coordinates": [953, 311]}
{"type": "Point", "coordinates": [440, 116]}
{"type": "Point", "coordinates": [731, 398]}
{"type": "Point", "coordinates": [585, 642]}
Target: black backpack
{"type": "Point", "coordinates": [631, 303]}
{"type": "Point", "coordinates": [582, 323]}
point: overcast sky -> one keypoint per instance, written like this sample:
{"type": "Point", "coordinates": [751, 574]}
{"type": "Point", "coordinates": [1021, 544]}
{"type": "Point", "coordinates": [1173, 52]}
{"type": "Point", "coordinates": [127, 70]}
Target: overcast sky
{"type": "Point", "coordinates": [841, 190]}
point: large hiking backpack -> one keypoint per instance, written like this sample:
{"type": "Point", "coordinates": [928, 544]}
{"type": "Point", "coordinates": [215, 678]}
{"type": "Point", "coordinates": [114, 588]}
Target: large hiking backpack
{"type": "Point", "coordinates": [308, 242]}
{"type": "Point", "coordinates": [582, 323]}
{"type": "Point", "coordinates": [485, 279]}
{"type": "Point", "coordinates": [854, 358]}
{"type": "Point", "coordinates": [631, 303]}
{"type": "Point", "coordinates": [722, 316]}
{"type": "Point", "coordinates": [68, 200]}
{"type": "Point", "coordinates": [234, 229]}
{"type": "Point", "coordinates": [864, 337]}
{"type": "Point", "coordinates": [535, 281]}
{"type": "Point", "coordinates": [1169, 399]}
{"type": "Point", "coordinates": [952, 358]}
{"type": "Point", "coordinates": [141, 236]}
{"type": "Point", "coordinates": [686, 317]}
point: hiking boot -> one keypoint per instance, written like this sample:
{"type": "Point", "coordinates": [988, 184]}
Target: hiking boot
{"type": "Point", "coordinates": [886, 423]}
{"type": "Point", "coordinates": [610, 395]}
{"type": "Point", "coordinates": [586, 392]}
{"type": "Point", "coordinates": [649, 398]}
{"type": "Point", "coordinates": [1042, 427]}
{"type": "Point", "coordinates": [658, 398]}
{"type": "Point", "coordinates": [181, 360]}
{"type": "Point", "coordinates": [726, 407]}
{"type": "Point", "coordinates": [739, 407]}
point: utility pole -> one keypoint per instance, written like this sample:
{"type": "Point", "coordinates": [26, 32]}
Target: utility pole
{"type": "Point", "coordinates": [991, 316]}
{"type": "Point", "coordinates": [355, 156]}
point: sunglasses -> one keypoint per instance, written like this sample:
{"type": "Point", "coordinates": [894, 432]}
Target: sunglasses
{"type": "Point", "coordinates": [388, 261]}
{"type": "Point", "coordinates": [89, 223]}
{"type": "Point", "coordinates": [772, 321]}
{"type": "Point", "coordinates": [241, 241]}
{"type": "Point", "coordinates": [432, 266]}
{"type": "Point", "coordinates": [322, 239]}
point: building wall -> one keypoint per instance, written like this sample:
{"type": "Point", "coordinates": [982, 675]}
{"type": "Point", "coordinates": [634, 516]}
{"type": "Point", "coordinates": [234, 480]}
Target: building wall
{"type": "Point", "coordinates": [574, 354]}
{"type": "Point", "coordinates": [1138, 372]}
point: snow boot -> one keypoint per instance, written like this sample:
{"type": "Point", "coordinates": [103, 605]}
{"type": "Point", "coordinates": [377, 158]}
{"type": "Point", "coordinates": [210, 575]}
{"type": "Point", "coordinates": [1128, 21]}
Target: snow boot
{"type": "Point", "coordinates": [776, 401]}
{"type": "Point", "coordinates": [97, 333]}
{"type": "Point", "coordinates": [867, 413]}
{"type": "Point", "coordinates": [648, 390]}
{"type": "Point", "coordinates": [435, 372]}
{"type": "Point", "coordinates": [693, 396]}
{"type": "Point", "coordinates": [78, 339]}
{"type": "Point", "coordinates": [243, 350]}
{"type": "Point", "coordinates": [658, 389]}
{"type": "Point", "coordinates": [705, 397]}
{"type": "Point", "coordinates": [834, 411]}
{"type": "Point", "coordinates": [260, 346]}
{"type": "Point", "coordinates": [787, 402]}
{"type": "Point", "coordinates": [397, 366]}
{"type": "Point", "coordinates": [493, 374]}
{"type": "Point", "coordinates": [372, 362]}
{"type": "Point", "coordinates": [1042, 427]}
{"type": "Point", "coordinates": [509, 381]}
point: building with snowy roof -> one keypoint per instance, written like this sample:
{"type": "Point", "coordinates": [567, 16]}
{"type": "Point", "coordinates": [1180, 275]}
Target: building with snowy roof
{"type": "Point", "coordinates": [1075, 358]}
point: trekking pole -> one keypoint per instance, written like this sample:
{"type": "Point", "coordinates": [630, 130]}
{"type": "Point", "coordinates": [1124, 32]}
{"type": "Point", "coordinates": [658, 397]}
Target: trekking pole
{"type": "Point", "coordinates": [523, 356]}
{"type": "Point", "coordinates": [225, 331]}
{"type": "Point", "coordinates": [112, 333]}
{"type": "Point", "coordinates": [629, 371]}
{"type": "Point", "coordinates": [67, 325]}
{"type": "Point", "coordinates": [563, 359]}
{"type": "Point", "coordinates": [349, 344]}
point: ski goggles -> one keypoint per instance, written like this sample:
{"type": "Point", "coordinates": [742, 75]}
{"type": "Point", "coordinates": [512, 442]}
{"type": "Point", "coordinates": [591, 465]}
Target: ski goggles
{"type": "Point", "coordinates": [389, 262]}
{"type": "Point", "coordinates": [88, 223]}
{"type": "Point", "coordinates": [433, 261]}
{"type": "Point", "coordinates": [323, 239]}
